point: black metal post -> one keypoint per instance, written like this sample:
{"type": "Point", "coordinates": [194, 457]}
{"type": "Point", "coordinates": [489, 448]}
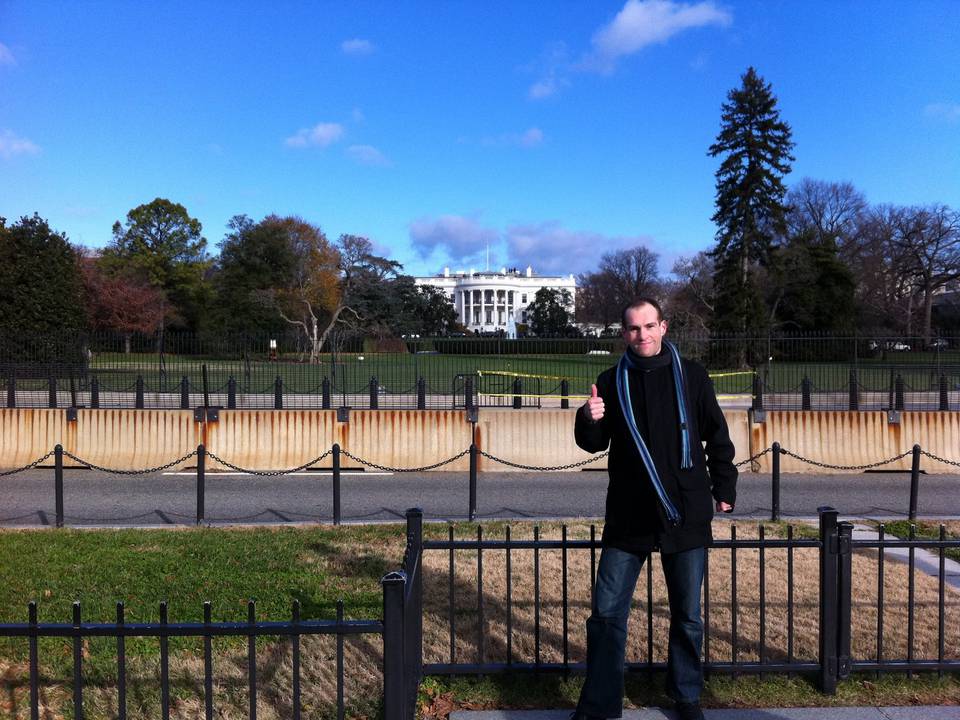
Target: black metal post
{"type": "Point", "coordinates": [325, 393]}
{"type": "Point", "coordinates": [806, 387]}
{"type": "Point", "coordinates": [944, 393]}
{"type": "Point", "coordinates": [336, 483]}
{"type": "Point", "coordinates": [394, 680]}
{"type": "Point", "coordinates": [829, 603]}
{"type": "Point", "coordinates": [564, 395]}
{"type": "Point", "coordinates": [517, 390]}
{"type": "Point", "coordinates": [52, 392]}
{"type": "Point", "coordinates": [94, 392]}
{"type": "Point", "coordinates": [473, 482]}
{"type": "Point", "coordinates": [468, 393]}
{"type": "Point", "coordinates": [413, 608]}
{"type": "Point", "coordinates": [58, 484]}
{"type": "Point", "coordinates": [12, 390]}
{"type": "Point", "coordinates": [206, 385]}
{"type": "Point", "coordinates": [775, 484]}
{"type": "Point", "coordinates": [231, 393]}
{"type": "Point", "coordinates": [201, 481]}
{"type": "Point", "coordinates": [898, 392]}
{"type": "Point", "coordinates": [844, 597]}
{"type": "Point", "coordinates": [914, 482]}
{"type": "Point", "coordinates": [854, 401]}
{"type": "Point", "coordinates": [757, 391]}
{"type": "Point", "coordinates": [184, 393]}
{"type": "Point", "coordinates": [278, 393]}
{"type": "Point", "coordinates": [374, 393]}
{"type": "Point", "coordinates": [73, 392]}
{"type": "Point", "coordinates": [138, 399]}
{"type": "Point", "coordinates": [421, 394]}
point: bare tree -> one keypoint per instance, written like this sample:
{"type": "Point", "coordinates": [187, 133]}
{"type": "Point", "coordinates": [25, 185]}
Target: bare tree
{"type": "Point", "coordinates": [832, 211]}
{"type": "Point", "coordinates": [690, 298]}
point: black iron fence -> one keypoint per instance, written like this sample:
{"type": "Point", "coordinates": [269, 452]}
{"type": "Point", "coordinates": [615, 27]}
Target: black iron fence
{"type": "Point", "coordinates": [399, 628]}
{"type": "Point", "coordinates": [808, 371]}
{"type": "Point", "coordinates": [467, 607]}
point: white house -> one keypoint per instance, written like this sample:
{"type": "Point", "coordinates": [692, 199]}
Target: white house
{"type": "Point", "coordinates": [486, 300]}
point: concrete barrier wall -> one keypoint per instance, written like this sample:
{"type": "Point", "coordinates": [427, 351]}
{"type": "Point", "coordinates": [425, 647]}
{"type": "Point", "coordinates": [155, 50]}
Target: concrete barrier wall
{"type": "Point", "coordinates": [280, 439]}
{"type": "Point", "coordinates": [858, 438]}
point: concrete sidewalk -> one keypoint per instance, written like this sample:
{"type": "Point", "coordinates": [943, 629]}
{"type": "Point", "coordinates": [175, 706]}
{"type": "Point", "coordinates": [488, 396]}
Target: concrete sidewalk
{"type": "Point", "coordinates": [925, 712]}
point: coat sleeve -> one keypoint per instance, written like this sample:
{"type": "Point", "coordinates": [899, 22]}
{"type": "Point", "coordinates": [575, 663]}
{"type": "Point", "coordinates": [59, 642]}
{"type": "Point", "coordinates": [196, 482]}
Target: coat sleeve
{"type": "Point", "coordinates": [719, 448]}
{"type": "Point", "coordinates": [594, 436]}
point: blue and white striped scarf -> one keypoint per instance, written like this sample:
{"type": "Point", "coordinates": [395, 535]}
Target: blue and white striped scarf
{"type": "Point", "coordinates": [623, 393]}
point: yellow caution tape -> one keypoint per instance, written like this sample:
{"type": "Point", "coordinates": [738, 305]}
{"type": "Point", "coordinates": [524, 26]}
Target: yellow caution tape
{"type": "Point", "coordinates": [730, 374]}
{"type": "Point", "coordinates": [523, 375]}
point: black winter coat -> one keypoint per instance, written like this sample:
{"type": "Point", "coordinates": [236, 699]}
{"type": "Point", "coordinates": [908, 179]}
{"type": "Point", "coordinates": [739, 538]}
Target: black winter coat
{"type": "Point", "coordinates": [635, 519]}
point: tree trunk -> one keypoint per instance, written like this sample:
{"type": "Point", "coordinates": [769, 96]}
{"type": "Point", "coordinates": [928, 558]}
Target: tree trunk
{"type": "Point", "coordinates": [126, 344]}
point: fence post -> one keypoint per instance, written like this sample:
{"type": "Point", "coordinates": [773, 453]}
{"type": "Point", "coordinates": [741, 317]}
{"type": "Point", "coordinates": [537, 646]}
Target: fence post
{"type": "Point", "coordinates": [94, 393]}
{"type": "Point", "coordinates": [325, 393]}
{"type": "Point", "coordinates": [394, 680]}
{"type": "Point", "coordinates": [775, 484]}
{"type": "Point", "coordinates": [231, 393]}
{"type": "Point", "coordinates": [944, 393]}
{"type": "Point", "coordinates": [854, 403]}
{"type": "Point", "coordinates": [336, 483]}
{"type": "Point", "coordinates": [52, 392]}
{"type": "Point", "coordinates": [421, 393]}
{"type": "Point", "coordinates": [898, 392]}
{"type": "Point", "coordinates": [829, 602]}
{"type": "Point", "coordinates": [278, 393]}
{"type": "Point", "coordinates": [201, 481]}
{"type": "Point", "coordinates": [472, 511]}
{"type": "Point", "coordinates": [468, 392]}
{"type": "Point", "coordinates": [914, 482]}
{"type": "Point", "coordinates": [73, 392]}
{"type": "Point", "coordinates": [844, 597]}
{"type": "Point", "coordinates": [12, 390]}
{"type": "Point", "coordinates": [413, 620]}
{"type": "Point", "coordinates": [757, 391]}
{"type": "Point", "coordinates": [806, 386]}
{"type": "Point", "coordinates": [517, 390]}
{"type": "Point", "coordinates": [138, 398]}
{"type": "Point", "coordinates": [58, 484]}
{"type": "Point", "coordinates": [564, 395]}
{"type": "Point", "coordinates": [374, 394]}
{"type": "Point", "coordinates": [184, 393]}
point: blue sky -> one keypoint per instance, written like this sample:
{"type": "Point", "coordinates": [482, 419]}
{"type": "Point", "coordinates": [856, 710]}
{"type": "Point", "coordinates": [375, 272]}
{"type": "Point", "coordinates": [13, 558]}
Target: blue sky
{"type": "Point", "coordinates": [550, 131]}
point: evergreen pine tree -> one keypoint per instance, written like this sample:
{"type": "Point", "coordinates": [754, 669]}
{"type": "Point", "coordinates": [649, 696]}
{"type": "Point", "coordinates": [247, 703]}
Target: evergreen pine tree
{"type": "Point", "coordinates": [755, 145]}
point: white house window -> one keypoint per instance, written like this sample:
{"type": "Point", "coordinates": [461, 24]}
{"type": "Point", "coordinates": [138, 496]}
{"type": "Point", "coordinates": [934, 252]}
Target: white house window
{"type": "Point", "coordinates": [523, 300]}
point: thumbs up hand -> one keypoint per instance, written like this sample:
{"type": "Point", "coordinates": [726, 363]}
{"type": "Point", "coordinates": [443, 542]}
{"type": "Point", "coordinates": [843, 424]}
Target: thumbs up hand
{"type": "Point", "coordinates": [593, 408]}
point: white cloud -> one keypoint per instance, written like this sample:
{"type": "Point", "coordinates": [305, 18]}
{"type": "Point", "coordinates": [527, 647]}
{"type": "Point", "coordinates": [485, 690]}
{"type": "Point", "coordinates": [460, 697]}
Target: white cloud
{"type": "Point", "coordinates": [641, 23]}
{"type": "Point", "coordinates": [529, 138]}
{"type": "Point", "coordinates": [459, 235]}
{"type": "Point", "coordinates": [358, 46]}
{"type": "Point", "coordinates": [949, 112]}
{"type": "Point", "coordinates": [551, 248]}
{"type": "Point", "coordinates": [12, 145]}
{"type": "Point", "coordinates": [320, 135]}
{"type": "Point", "coordinates": [6, 56]}
{"type": "Point", "coordinates": [368, 155]}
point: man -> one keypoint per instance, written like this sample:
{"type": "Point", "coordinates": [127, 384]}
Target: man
{"type": "Point", "coordinates": [655, 411]}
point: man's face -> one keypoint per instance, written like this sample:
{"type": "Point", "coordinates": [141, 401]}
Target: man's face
{"type": "Point", "coordinates": [643, 331]}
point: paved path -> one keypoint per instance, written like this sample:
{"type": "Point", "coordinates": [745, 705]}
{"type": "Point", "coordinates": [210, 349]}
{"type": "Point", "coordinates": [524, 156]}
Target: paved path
{"type": "Point", "coordinates": [927, 712]}
{"type": "Point", "coordinates": [91, 498]}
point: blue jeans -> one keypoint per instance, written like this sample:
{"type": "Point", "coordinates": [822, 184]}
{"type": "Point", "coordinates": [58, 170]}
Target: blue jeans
{"type": "Point", "coordinates": [602, 694]}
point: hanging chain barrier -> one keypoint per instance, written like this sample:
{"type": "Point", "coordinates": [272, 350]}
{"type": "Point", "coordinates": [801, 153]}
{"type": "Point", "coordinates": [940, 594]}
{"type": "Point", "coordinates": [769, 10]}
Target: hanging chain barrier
{"type": "Point", "coordinates": [145, 471]}
{"type": "Point", "coordinates": [754, 458]}
{"type": "Point", "coordinates": [29, 466]}
{"type": "Point", "coordinates": [267, 473]}
{"type": "Point", "coordinates": [387, 468]}
{"type": "Point", "coordinates": [828, 466]}
{"type": "Point", "coordinates": [930, 455]}
{"type": "Point", "coordinates": [539, 468]}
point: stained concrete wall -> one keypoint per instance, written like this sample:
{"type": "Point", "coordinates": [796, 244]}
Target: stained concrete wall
{"type": "Point", "coordinates": [280, 439]}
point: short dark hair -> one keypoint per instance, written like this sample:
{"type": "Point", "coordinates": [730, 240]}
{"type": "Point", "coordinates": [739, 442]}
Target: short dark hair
{"type": "Point", "coordinates": [639, 302]}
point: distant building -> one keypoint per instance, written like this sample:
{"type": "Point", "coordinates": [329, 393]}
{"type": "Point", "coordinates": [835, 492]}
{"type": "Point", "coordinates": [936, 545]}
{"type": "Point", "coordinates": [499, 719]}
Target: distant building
{"type": "Point", "coordinates": [485, 301]}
